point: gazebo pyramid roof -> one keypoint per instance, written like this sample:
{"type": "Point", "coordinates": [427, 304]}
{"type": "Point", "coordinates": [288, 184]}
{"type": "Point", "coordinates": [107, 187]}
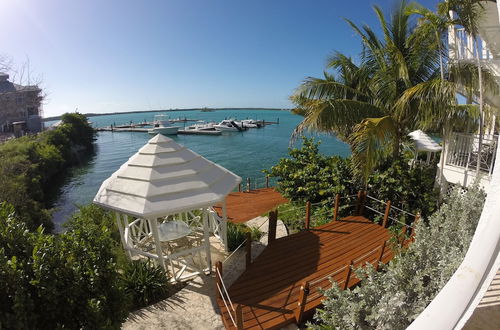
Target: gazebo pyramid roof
{"type": "Point", "coordinates": [162, 178]}
{"type": "Point", "coordinates": [424, 142]}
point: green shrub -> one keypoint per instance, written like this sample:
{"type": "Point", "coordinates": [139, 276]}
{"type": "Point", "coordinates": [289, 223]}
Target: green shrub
{"type": "Point", "coordinates": [145, 282]}
{"type": "Point", "coordinates": [29, 166]}
{"type": "Point", "coordinates": [58, 281]}
{"type": "Point", "coordinates": [311, 176]}
{"type": "Point", "coordinates": [394, 297]}
{"type": "Point", "coordinates": [236, 234]}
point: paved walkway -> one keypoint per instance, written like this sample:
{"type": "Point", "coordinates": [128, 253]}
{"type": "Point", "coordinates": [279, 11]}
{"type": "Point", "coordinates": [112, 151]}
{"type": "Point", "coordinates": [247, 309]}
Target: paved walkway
{"type": "Point", "coordinates": [487, 313]}
{"type": "Point", "coordinates": [244, 206]}
{"type": "Point", "coordinates": [194, 307]}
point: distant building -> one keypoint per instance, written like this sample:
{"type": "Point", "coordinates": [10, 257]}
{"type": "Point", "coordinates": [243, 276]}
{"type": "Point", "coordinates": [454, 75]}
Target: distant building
{"type": "Point", "coordinates": [20, 107]}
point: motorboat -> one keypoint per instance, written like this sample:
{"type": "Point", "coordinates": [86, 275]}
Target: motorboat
{"type": "Point", "coordinates": [201, 128]}
{"type": "Point", "coordinates": [162, 125]}
{"type": "Point", "coordinates": [228, 125]}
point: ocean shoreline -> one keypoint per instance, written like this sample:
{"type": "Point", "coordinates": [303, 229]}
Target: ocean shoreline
{"type": "Point", "coordinates": [165, 110]}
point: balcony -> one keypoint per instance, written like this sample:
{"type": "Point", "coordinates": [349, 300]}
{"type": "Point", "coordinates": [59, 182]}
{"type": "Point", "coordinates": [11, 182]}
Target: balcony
{"type": "Point", "coordinates": [462, 158]}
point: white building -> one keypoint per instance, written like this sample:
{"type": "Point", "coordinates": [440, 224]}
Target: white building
{"type": "Point", "coordinates": [462, 155]}
{"type": "Point", "coordinates": [458, 304]}
{"type": "Point", "coordinates": [20, 106]}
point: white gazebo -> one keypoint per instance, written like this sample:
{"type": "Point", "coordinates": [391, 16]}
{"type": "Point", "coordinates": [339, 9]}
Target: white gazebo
{"type": "Point", "coordinates": [163, 197]}
{"type": "Point", "coordinates": [425, 143]}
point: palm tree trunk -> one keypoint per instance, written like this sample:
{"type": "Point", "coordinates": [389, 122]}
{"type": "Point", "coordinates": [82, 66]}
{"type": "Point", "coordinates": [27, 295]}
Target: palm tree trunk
{"type": "Point", "coordinates": [481, 111]}
{"type": "Point", "coordinates": [397, 140]}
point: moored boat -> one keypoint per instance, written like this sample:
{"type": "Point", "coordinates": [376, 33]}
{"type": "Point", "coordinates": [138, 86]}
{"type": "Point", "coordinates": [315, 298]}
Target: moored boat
{"type": "Point", "coordinates": [162, 125]}
{"type": "Point", "coordinates": [228, 126]}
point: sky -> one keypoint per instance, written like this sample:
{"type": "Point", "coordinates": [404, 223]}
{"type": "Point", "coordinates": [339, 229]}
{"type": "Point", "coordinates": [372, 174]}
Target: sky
{"type": "Point", "coordinates": [122, 55]}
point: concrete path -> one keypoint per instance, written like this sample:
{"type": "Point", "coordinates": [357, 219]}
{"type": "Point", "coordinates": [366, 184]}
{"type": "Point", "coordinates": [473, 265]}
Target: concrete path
{"type": "Point", "coordinates": [194, 306]}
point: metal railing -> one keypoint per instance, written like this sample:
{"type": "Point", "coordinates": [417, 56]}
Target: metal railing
{"type": "Point", "coordinates": [463, 151]}
{"type": "Point", "coordinates": [250, 184]}
{"type": "Point", "coordinates": [463, 46]}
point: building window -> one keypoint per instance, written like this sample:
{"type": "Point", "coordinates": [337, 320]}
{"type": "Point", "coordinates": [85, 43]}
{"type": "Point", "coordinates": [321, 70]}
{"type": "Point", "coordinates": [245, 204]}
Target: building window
{"type": "Point", "coordinates": [19, 99]}
{"type": "Point", "coordinates": [32, 111]}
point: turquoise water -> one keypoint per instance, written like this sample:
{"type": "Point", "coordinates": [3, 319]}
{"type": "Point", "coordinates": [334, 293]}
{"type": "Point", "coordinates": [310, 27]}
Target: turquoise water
{"type": "Point", "coordinates": [244, 153]}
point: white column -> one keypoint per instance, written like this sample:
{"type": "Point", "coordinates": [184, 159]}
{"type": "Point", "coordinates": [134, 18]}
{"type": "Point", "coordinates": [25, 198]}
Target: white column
{"type": "Point", "coordinates": [154, 229]}
{"type": "Point", "coordinates": [119, 223]}
{"type": "Point", "coordinates": [206, 238]}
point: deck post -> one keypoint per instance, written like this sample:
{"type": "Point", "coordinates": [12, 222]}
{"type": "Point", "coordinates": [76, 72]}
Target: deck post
{"type": "Point", "coordinates": [403, 234]}
{"type": "Point", "coordinates": [336, 208]}
{"type": "Point", "coordinates": [386, 215]}
{"type": "Point", "coordinates": [273, 220]}
{"type": "Point", "coordinates": [239, 187]}
{"type": "Point", "coordinates": [362, 202]}
{"type": "Point", "coordinates": [301, 305]}
{"type": "Point", "coordinates": [239, 317]}
{"type": "Point", "coordinates": [248, 246]}
{"type": "Point", "coordinates": [248, 184]}
{"type": "Point", "coordinates": [218, 278]}
{"type": "Point", "coordinates": [267, 181]}
{"type": "Point", "coordinates": [348, 275]}
{"type": "Point", "coordinates": [380, 256]}
{"type": "Point", "coordinates": [358, 201]}
{"type": "Point", "coordinates": [308, 215]}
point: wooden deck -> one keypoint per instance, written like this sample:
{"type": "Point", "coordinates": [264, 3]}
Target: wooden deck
{"type": "Point", "coordinates": [244, 206]}
{"type": "Point", "coordinates": [269, 289]}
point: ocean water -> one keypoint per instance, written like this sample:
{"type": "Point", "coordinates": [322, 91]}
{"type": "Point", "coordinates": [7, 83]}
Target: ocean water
{"type": "Point", "coordinates": [244, 153]}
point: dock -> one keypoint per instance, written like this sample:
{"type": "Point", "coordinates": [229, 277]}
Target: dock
{"type": "Point", "coordinates": [280, 286]}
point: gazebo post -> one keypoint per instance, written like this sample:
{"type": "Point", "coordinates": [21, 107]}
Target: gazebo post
{"type": "Point", "coordinates": [224, 225]}
{"type": "Point", "coordinates": [154, 228]}
{"type": "Point", "coordinates": [119, 222]}
{"type": "Point", "coordinates": [206, 238]}
{"type": "Point", "coordinates": [122, 219]}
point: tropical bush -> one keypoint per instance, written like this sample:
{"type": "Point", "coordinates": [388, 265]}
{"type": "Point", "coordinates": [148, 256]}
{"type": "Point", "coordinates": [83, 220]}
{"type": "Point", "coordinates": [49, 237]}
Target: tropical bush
{"type": "Point", "coordinates": [310, 176]}
{"type": "Point", "coordinates": [29, 166]}
{"type": "Point", "coordinates": [236, 234]}
{"type": "Point", "coordinates": [145, 282]}
{"type": "Point", "coordinates": [395, 296]}
{"type": "Point", "coordinates": [409, 188]}
{"type": "Point", "coordinates": [69, 280]}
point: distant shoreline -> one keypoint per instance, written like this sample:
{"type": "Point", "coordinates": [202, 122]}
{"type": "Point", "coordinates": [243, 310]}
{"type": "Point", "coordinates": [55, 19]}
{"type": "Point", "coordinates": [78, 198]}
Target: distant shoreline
{"type": "Point", "coordinates": [165, 110]}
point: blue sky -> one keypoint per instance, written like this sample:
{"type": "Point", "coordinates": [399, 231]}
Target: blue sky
{"type": "Point", "coordinates": [121, 55]}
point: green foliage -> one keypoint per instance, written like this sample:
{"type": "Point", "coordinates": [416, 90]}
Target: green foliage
{"type": "Point", "coordinates": [310, 176]}
{"type": "Point", "coordinates": [236, 234]}
{"type": "Point", "coordinates": [30, 164]}
{"type": "Point", "coordinates": [78, 129]}
{"type": "Point", "coordinates": [53, 281]}
{"type": "Point", "coordinates": [394, 297]}
{"type": "Point", "coordinates": [410, 189]}
{"type": "Point", "coordinates": [145, 283]}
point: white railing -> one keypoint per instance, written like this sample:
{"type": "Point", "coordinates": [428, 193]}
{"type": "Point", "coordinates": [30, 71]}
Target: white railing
{"type": "Point", "coordinates": [464, 152]}
{"type": "Point", "coordinates": [463, 46]}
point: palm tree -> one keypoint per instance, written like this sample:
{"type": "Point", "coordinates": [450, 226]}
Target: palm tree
{"type": "Point", "coordinates": [359, 102]}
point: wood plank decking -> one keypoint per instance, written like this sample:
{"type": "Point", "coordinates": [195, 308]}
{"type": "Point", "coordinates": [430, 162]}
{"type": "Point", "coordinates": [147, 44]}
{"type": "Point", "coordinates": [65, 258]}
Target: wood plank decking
{"type": "Point", "coordinates": [244, 206]}
{"type": "Point", "coordinates": [269, 288]}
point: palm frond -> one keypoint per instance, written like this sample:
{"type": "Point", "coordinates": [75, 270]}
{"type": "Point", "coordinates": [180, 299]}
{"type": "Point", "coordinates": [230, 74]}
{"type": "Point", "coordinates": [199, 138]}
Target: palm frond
{"type": "Point", "coordinates": [372, 142]}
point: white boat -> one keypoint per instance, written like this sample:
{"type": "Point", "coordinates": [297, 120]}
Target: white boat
{"type": "Point", "coordinates": [162, 125]}
{"type": "Point", "coordinates": [250, 123]}
{"type": "Point", "coordinates": [228, 126]}
{"type": "Point", "coordinates": [201, 128]}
